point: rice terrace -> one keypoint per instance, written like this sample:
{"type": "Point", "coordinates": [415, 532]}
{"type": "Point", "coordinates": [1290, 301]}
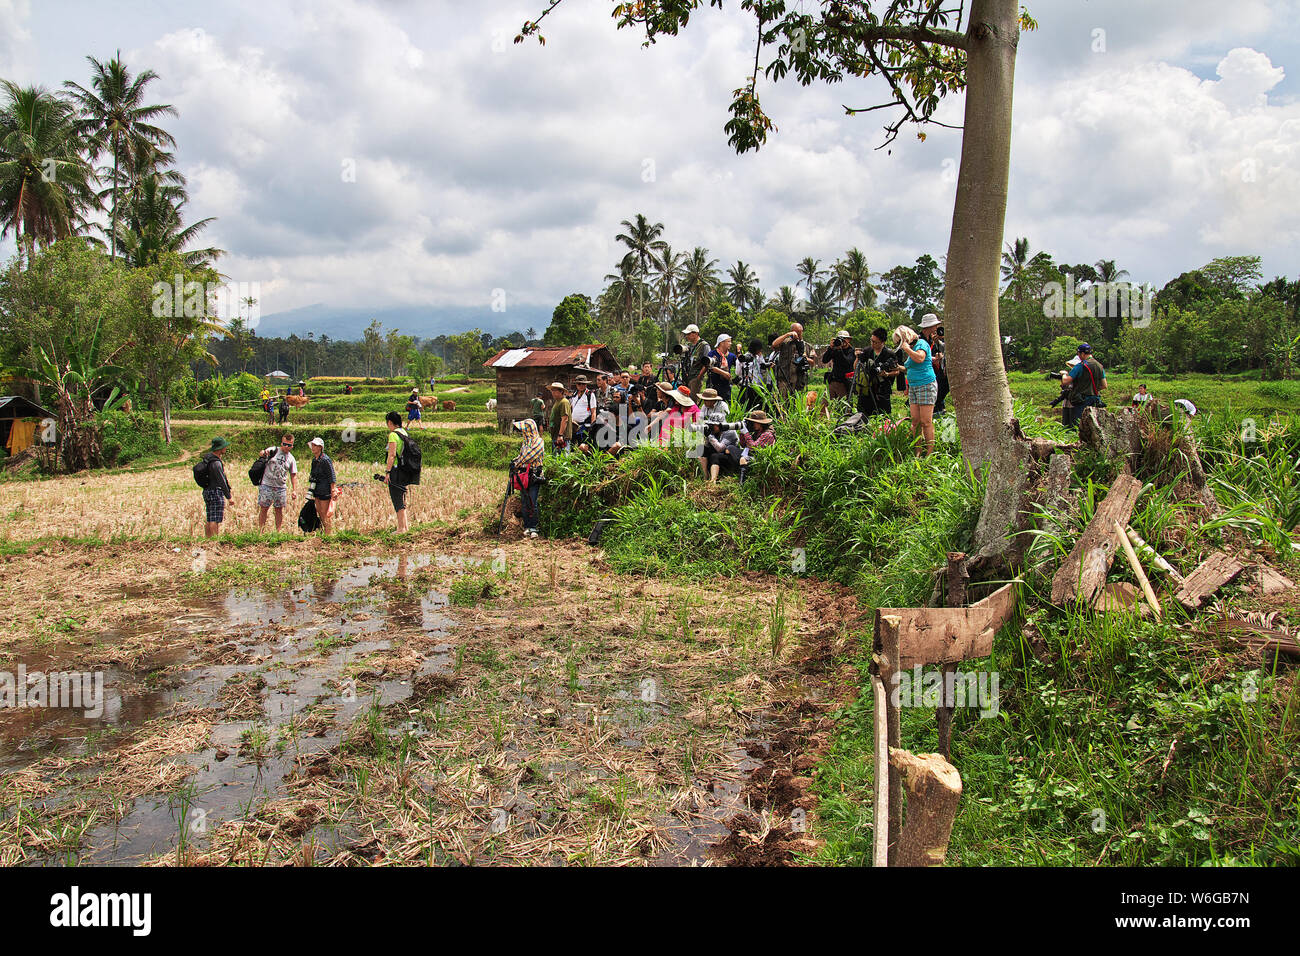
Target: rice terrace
{"type": "Point", "coordinates": [773, 499]}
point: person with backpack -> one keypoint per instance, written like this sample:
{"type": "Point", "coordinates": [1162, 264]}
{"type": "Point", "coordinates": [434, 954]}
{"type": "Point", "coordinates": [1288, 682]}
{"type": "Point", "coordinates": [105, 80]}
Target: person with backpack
{"type": "Point", "coordinates": [210, 475]}
{"type": "Point", "coordinates": [402, 468]}
{"type": "Point", "coordinates": [322, 483]}
{"type": "Point", "coordinates": [1086, 378]}
{"type": "Point", "coordinates": [278, 469]}
{"type": "Point", "coordinates": [525, 470]}
{"type": "Point", "coordinates": [284, 408]}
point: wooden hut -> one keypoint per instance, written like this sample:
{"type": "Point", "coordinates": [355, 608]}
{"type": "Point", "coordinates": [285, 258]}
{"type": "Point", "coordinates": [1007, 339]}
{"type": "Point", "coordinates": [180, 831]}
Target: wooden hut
{"type": "Point", "coordinates": [19, 421]}
{"type": "Point", "coordinates": [525, 373]}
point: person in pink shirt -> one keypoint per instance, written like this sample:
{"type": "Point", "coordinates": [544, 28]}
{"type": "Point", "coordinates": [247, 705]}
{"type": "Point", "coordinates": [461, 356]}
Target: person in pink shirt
{"type": "Point", "coordinates": [682, 412]}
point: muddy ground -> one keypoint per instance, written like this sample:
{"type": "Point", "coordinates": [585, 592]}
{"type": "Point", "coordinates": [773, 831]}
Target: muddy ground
{"type": "Point", "coordinates": [459, 700]}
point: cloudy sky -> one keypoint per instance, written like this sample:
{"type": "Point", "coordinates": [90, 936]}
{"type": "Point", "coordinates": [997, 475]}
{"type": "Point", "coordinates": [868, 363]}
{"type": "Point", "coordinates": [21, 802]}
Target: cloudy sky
{"type": "Point", "coordinates": [378, 153]}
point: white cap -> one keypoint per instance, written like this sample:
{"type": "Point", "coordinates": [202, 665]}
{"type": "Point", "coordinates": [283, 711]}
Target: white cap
{"type": "Point", "coordinates": [929, 320]}
{"type": "Point", "coordinates": [317, 441]}
{"type": "Point", "coordinates": [724, 337]}
{"type": "Point", "coordinates": [691, 328]}
{"type": "Point", "coordinates": [842, 334]}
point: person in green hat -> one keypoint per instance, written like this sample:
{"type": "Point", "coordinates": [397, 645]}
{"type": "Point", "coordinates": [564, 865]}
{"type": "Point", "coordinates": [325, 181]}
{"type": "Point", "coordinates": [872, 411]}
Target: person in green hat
{"type": "Point", "coordinates": [217, 492]}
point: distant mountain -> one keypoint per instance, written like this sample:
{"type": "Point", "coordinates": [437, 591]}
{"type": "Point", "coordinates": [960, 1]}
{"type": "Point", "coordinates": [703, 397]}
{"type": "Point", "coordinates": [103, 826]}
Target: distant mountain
{"type": "Point", "coordinates": [427, 322]}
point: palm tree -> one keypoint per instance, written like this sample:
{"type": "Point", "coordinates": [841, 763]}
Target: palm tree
{"type": "Point", "coordinates": [743, 285]}
{"type": "Point", "coordinates": [821, 301]}
{"type": "Point", "coordinates": [808, 269]}
{"type": "Point", "coordinates": [786, 300]}
{"type": "Point", "coordinates": [1022, 272]}
{"type": "Point", "coordinates": [643, 242]}
{"type": "Point", "coordinates": [672, 268]}
{"type": "Point", "coordinates": [46, 186]}
{"type": "Point", "coordinates": [699, 280]}
{"type": "Point", "coordinates": [115, 119]}
{"type": "Point", "coordinates": [153, 224]}
{"type": "Point", "coordinates": [852, 280]}
{"type": "Point", "coordinates": [624, 290]}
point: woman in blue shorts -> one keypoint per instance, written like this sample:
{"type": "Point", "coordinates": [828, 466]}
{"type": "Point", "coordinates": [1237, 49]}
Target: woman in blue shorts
{"type": "Point", "coordinates": [922, 382]}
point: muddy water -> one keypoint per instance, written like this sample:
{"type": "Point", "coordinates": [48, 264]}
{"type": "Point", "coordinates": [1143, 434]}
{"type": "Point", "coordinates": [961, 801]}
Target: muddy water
{"type": "Point", "coordinates": [288, 681]}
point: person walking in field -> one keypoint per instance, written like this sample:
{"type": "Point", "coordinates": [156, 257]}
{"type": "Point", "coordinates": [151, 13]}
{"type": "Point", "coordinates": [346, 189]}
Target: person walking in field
{"type": "Point", "coordinates": [413, 409]}
{"type": "Point", "coordinates": [217, 493]}
{"type": "Point", "coordinates": [922, 382]}
{"type": "Point", "coordinates": [393, 476]}
{"type": "Point", "coordinates": [273, 492]}
{"type": "Point", "coordinates": [322, 484]}
{"type": "Point", "coordinates": [284, 408]}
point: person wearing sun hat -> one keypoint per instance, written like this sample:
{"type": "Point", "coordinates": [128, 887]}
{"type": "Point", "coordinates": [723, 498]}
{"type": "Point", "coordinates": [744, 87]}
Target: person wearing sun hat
{"type": "Point", "coordinates": [722, 367]}
{"type": "Point", "coordinates": [714, 407]}
{"type": "Point", "coordinates": [695, 360]}
{"type": "Point", "coordinates": [561, 420]}
{"type": "Point", "coordinates": [682, 412]}
{"type": "Point", "coordinates": [526, 464]}
{"type": "Point", "coordinates": [217, 493]}
{"type": "Point", "coordinates": [757, 434]}
{"type": "Point", "coordinates": [322, 483]}
{"type": "Point", "coordinates": [922, 382]}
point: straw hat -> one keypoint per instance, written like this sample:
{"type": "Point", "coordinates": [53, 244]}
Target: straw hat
{"type": "Point", "coordinates": [709, 395]}
{"type": "Point", "coordinates": [683, 399]}
{"type": "Point", "coordinates": [758, 417]}
{"type": "Point", "coordinates": [556, 385]}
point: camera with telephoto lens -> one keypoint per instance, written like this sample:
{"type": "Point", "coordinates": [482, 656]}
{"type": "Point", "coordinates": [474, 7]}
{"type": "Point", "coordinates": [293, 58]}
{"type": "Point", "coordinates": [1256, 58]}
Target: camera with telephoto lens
{"type": "Point", "coordinates": [377, 477]}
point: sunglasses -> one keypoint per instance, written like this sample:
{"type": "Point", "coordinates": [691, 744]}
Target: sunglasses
{"type": "Point", "coordinates": [286, 444]}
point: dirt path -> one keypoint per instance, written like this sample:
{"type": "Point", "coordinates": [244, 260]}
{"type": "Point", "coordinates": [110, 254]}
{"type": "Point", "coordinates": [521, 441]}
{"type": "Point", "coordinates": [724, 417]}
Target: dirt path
{"type": "Point", "coordinates": [329, 704]}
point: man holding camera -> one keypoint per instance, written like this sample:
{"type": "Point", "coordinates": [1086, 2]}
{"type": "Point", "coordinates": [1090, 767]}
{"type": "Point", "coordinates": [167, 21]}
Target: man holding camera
{"type": "Point", "coordinates": [695, 359]}
{"type": "Point", "coordinates": [791, 361]}
{"type": "Point", "coordinates": [583, 409]}
{"type": "Point", "coordinates": [1087, 378]}
{"type": "Point", "coordinates": [840, 357]}
{"type": "Point", "coordinates": [873, 380]}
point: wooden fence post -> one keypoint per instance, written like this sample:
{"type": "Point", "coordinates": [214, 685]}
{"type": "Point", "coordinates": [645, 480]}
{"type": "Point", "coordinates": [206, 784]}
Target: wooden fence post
{"type": "Point", "coordinates": [957, 576]}
{"type": "Point", "coordinates": [886, 660]}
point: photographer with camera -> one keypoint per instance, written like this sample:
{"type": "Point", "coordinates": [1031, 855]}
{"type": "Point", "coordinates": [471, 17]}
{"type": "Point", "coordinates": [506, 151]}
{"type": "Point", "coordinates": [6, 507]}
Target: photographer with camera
{"type": "Point", "coordinates": [722, 367]}
{"type": "Point", "coordinates": [583, 409]}
{"type": "Point", "coordinates": [874, 376]}
{"type": "Point", "coordinates": [757, 434]}
{"type": "Point", "coordinates": [791, 361]}
{"type": "Point", "coordinates": [752, 374]}
{"type": "Point", "coordinates": [695, 359]}
{"type": "Point", "coordinates": [840, 356]}
{"type": "Point", "coordinates": [922, 383]}
{"type": "Point", "coordinates": [1086, 379]}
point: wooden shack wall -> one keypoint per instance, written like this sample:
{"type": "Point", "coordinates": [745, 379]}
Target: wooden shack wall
{"type": "Point", "coordinates": [516, 388]}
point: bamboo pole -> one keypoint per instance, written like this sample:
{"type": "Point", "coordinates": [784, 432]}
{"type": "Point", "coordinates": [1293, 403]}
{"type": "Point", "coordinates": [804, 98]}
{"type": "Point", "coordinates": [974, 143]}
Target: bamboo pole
{"type": "Point", "coordinates": [1155, 556]}
{"type": "Point", "coordinates": [880, 841]}
{"type": "Point", "coordinates": [1138, 573]}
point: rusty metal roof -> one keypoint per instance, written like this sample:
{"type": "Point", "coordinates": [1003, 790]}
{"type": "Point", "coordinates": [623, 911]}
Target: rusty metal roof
{"type": "Point", "coordinates": [561, 355]}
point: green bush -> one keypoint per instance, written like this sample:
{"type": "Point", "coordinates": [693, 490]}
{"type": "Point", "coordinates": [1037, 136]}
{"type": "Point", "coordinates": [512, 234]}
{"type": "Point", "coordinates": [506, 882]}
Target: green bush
{"type": "Point", "coordinates": [128, 437]}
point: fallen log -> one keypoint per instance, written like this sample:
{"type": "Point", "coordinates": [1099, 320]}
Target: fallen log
{"type": "Point", "coordinates": [1215, 571]}
{"type": "Point", "coordinates": [1083, 573]}
{"type": "Point", "coordinates": [933, 792]}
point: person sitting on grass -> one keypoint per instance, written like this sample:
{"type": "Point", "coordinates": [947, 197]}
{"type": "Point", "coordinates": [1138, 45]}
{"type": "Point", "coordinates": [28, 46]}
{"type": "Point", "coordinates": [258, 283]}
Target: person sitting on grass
{"type": "Point", "coordinates": [758, 434]}
{"type": "Point", "coordinates": [281, 470]}
{"type": "Point", "coordinates": [217, 493]}
{"type": "Point", "coordinates": [721, 452]}
{"type": "Point", "coordinates": [715, 408]}
{"type": "Point", "coordinates": [412, 409]}
{"type": "Point", "coordinates": [922, 382]}
{"type": "Point", "coordinates": [322, 484]}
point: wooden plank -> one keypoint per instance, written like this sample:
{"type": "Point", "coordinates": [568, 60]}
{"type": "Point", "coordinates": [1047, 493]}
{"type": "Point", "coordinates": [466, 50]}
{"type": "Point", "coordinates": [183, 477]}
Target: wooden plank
{"type": "Point", "coordinates": [1082, 574]}
{"type": "Point", "coordinates": [880, 814]}
{"type": "Point", "coordinates": [886, 661]}
{"type": "Point", "coordinates": [1215, 571]}
{"type": "Point", "coordinates": [941, 635]}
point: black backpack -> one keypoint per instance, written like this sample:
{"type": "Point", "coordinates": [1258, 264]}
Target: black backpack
{"type": "Point", "coordinates": [256, 472]}
{"type": "Point", "coordinates": [410, 460]}
{"type": "Point", "coordinates": [201, 473]}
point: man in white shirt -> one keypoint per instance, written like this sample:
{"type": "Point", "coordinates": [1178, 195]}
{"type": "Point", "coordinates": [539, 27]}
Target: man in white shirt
{"type": "Point", "coordinates": [583, 403]}
{"type": "Point", "coordinates": [281, 471]}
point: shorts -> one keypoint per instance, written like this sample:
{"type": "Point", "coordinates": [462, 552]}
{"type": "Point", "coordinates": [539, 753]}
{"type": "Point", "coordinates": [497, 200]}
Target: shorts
{"type": "Point", "coordinates": [270, 497]}
{"type": "Point", "coordinates": [412, 414]}
{"type": "Point", "coordinates": [323, 491]}
{"type": "Point", "coordinates": [923, 394]}
{"type": "Point", "coordinates": [214, 503]}
{"type": "Point", "coordinates": [397, 493]}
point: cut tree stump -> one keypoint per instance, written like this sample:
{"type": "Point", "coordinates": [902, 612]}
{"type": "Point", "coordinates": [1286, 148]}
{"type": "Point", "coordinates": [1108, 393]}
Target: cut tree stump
{"type": "Point", "coordinates": [1082, 574]}
{"type": "Point", "coordinates": [933, 792]}
{"type": "Point", "coordinates": [1217, 570]}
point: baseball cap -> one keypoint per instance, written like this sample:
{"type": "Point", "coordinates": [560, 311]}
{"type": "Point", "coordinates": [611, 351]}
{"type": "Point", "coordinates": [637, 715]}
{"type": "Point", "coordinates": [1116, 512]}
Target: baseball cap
{"type": "Point", "coordinates": [317, 441]}
{"type": "Point", "coordinates": [691, 328]}
{"type": "Point", "coordinates": [1085, 347]}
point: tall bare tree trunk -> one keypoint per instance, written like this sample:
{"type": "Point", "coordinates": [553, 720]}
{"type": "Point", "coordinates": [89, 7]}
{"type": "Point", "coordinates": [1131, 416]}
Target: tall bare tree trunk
{"type": "Point", "coordinates": [976, 374]}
